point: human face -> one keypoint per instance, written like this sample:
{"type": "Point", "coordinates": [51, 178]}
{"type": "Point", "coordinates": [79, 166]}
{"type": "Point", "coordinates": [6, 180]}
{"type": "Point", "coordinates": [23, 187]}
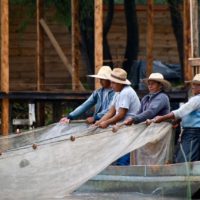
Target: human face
{"type": "Point", "coordinates": [196, 88]}
{"type": "Point", "coordinates": [154, 86]}
{"type": "Point", "coordinates": [105, 83]}
{"type": "Point", "coordinates": [117, 87]}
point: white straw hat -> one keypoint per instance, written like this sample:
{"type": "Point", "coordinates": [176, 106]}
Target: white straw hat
{"type": "Point", "coordinates": [103, 73]}
{"type": "Point", "coordinates": [118, 75]}
{"type": "Point", "coordinates": [196, 79]}
{"type": "Point", "coordinates": [158, 77]}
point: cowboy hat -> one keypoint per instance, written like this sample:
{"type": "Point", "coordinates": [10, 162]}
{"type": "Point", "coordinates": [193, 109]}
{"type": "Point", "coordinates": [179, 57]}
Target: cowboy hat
{"type": "Point", "coordinates": [103, 73]}
{"type": "Point", "coordinates": [158, 77]}
{"type": "Point", "coordinates": [196, 79]}
{"type": "Point", "coordinates": [119, 75]}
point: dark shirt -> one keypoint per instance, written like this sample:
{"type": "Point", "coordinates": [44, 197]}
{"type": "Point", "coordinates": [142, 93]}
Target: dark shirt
{"type": "Point", "coordinates": [151, 106]}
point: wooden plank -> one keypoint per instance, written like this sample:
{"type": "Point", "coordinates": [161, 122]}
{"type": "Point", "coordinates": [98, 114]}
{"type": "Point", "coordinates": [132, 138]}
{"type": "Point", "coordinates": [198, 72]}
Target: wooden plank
{"type": "Point", "coordinates": [194, 61]}
{"type": "Point", "coordinates": [194, 28]}
{"type": "Point", "coordinates": [58, 49]}
{"type": "Point", "coordinates": [98, 41]}
{"type": "Point", "coordinates": [150, 28]}
{"type": "Point", "coordinates": [75, 44]}
{"type": "Point", "coordinates": [40, 67]}
{"type": "Point", "coordinates": [40, 70]}
{"type": "Point", "coordinates": [5, 64]}
{"type": "Point", "coordinates": [187, 41]}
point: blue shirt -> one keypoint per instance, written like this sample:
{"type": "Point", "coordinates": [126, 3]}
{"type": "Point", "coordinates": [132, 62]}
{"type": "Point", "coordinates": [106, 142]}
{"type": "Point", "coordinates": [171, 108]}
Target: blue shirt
{"type": "Point", "coordinates": [100, 98]}
{"type": "Point", "coordinates": [151, 106]}
{"type": "Point", "coordinates": [189, 112]}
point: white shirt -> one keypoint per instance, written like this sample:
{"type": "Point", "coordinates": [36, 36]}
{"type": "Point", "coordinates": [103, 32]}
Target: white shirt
{"type": "Point", "coordinates": [128, 99]}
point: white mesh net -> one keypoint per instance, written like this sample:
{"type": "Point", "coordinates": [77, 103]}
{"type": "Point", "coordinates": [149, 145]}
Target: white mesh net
{"type": "Point", "coordinates": [58, 163]}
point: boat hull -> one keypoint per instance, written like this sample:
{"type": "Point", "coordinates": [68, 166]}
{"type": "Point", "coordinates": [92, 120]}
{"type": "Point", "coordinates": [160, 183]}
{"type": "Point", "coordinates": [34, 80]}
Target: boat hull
{"type": "Point", "coordinates": [179, 180]}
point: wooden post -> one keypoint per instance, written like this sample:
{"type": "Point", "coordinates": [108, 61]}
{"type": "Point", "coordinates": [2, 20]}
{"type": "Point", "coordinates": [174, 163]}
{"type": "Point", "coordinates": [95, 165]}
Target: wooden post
{"type": "Point", "coordinates": [194, 28]}
{"type": "Point", "coordinates": [40, 70]}
{"type": "Point", "coordinates": [187, 40]}
{"type": "Point", "coordinates": [194, 35]}
{"type": "Point", "coordinates": [149, 41]}
{"type": "Point", "coordinates": [98, 43]}
{"type": "Point", "coordinates": [5, 64]}
{"type": "Point", "coordinates": [75, 44]}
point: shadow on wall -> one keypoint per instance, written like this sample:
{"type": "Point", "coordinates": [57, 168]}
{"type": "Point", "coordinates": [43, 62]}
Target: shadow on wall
{"type": "Point", "coordinates": [171, 72]}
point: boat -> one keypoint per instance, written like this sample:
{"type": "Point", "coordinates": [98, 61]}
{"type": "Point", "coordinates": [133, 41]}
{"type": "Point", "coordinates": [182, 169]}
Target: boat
{"type": "Point", "coordinates": [170, 180]}
{"type": "Point", "coordinates": [56, 160]}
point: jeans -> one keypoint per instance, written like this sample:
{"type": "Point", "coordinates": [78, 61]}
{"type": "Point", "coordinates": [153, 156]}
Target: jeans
{"type": "Point", "coordinates": [189, 147]}
{"type": "Point", "coordinates": [124, 160]}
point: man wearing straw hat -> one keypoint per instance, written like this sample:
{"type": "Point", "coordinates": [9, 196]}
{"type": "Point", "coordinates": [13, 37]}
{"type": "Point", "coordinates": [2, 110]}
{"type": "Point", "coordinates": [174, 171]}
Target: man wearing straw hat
{"type": "Point", "coordinates": [190, 115]}
{"type": "Point", "coordinates": [154, 103]}
{"type": "Point", "coordinates": [100, 98]}
{"type": "Point", "coordinates": [125, 103]}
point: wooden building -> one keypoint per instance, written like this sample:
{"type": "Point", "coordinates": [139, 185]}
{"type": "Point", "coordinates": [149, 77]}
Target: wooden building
{"type": "Point", "coordinates": [45, 56]}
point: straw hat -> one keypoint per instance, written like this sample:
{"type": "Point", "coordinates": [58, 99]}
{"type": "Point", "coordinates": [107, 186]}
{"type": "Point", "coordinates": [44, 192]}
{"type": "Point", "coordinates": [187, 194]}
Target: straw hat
{"type": "Point", "coordinates": [196, 79]}
{"type": "Point", "coordinates": [119, 75]}
{"type": "Point", "coordinates": [158, 77]}
{"type": "Point", "coordinates": [103, 73]}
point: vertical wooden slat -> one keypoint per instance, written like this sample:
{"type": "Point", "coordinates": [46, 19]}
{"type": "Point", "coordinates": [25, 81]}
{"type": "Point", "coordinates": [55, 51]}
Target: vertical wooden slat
{"type": "Point", "coordinates": [40, 70]}
{"type": "Point", "coordinates": [194, 28]}
{"type": "Point", "coordinates": [194, 33]}
{"type": "Point", "coordinates": [187, 39]}
{"type": "Point", "coordinates": [75, 44]}
{"type": "Point", "coordinates": [98, 43]}
{"type": "Point", "coordinates": [5, 64]}
{"type": "Point", "coordinates": [150, 32]}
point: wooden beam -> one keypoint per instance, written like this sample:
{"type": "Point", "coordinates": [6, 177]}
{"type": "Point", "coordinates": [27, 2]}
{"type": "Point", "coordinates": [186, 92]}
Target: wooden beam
{"type": "Point", "coordinates": [194, 61]}
{"type": "Point", "coordinates": [75, 44]}
{"type": "Point", "coordinates": [149, 41]}
{"type": "Point", "coordinates": [58, 49]}
{"type": "Point", "coordinates": [98, 38]}
{"type": "Point", "coordinates": [40, 67]}
{"type": "Point", "coordinates": [194, 28]}
{"type": "Point", "coordinates": [5, 64]}
{"type": "Point", "coordinates": [187, 39]}
{"type": "Point", "coordinates": [40, 70]}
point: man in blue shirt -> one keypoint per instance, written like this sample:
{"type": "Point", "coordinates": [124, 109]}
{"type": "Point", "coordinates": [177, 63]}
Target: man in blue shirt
{"type": "Point", "coordinates": [155, 103]}
{"type": "Point", "coordinates": [100, 98]}
{"type": "Point", "coordinates": [190, 115]}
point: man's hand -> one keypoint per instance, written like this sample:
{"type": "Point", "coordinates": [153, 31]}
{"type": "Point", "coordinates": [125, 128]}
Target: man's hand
{"type": "Point", "coordinates": [90, 120]}
{"type": "Point", "coordinates": [64, 120]}
{"type": "Point", "coordinates": [148, 122]}
{"type": "Point", "coordinates": [103, 124]}
{"type": "Point", "coordinates": [128, 121]}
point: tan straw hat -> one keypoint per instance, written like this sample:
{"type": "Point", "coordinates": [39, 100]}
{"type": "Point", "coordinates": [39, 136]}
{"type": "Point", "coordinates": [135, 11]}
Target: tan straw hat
{"type": "Point", "coordinates": [196, 79]}
{"type": "Point", "coordinates": [119, 75]}
{"type": "Point", "coordinates": [103, 73]}
{"type": "Point", "coordinates": [158, 77]}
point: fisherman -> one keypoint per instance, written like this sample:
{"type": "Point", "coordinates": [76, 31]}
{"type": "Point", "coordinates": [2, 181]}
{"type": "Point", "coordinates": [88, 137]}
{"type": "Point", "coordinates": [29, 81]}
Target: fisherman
{"type": "Point", "coordinates": [155, 103]}
{"type": "Point", "coordinates": [190, 114]}
{"type": "Point", "coordinates": [100, 98]}
{"type": "Point", "coordinates": [125, 104]}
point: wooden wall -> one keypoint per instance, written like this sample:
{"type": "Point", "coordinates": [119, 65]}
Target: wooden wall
{"type": "Point", "coordinates": [165, 48]}
{"type": "Point", "coordinates": [23, 46]}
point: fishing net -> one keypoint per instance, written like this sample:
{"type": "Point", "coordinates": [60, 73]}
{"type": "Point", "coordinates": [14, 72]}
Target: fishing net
{"type": "Point", "coordinates": [65, 156]}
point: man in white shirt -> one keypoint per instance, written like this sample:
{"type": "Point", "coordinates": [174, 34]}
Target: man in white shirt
{"type": "Point", "coordinates": [125, 102]}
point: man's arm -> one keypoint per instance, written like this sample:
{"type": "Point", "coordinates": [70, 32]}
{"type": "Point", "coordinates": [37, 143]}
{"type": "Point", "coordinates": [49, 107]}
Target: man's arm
{"type": "Point", "coordinates": [114, 119]}
{"type": "Point", "coordinates": [107, 116]}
